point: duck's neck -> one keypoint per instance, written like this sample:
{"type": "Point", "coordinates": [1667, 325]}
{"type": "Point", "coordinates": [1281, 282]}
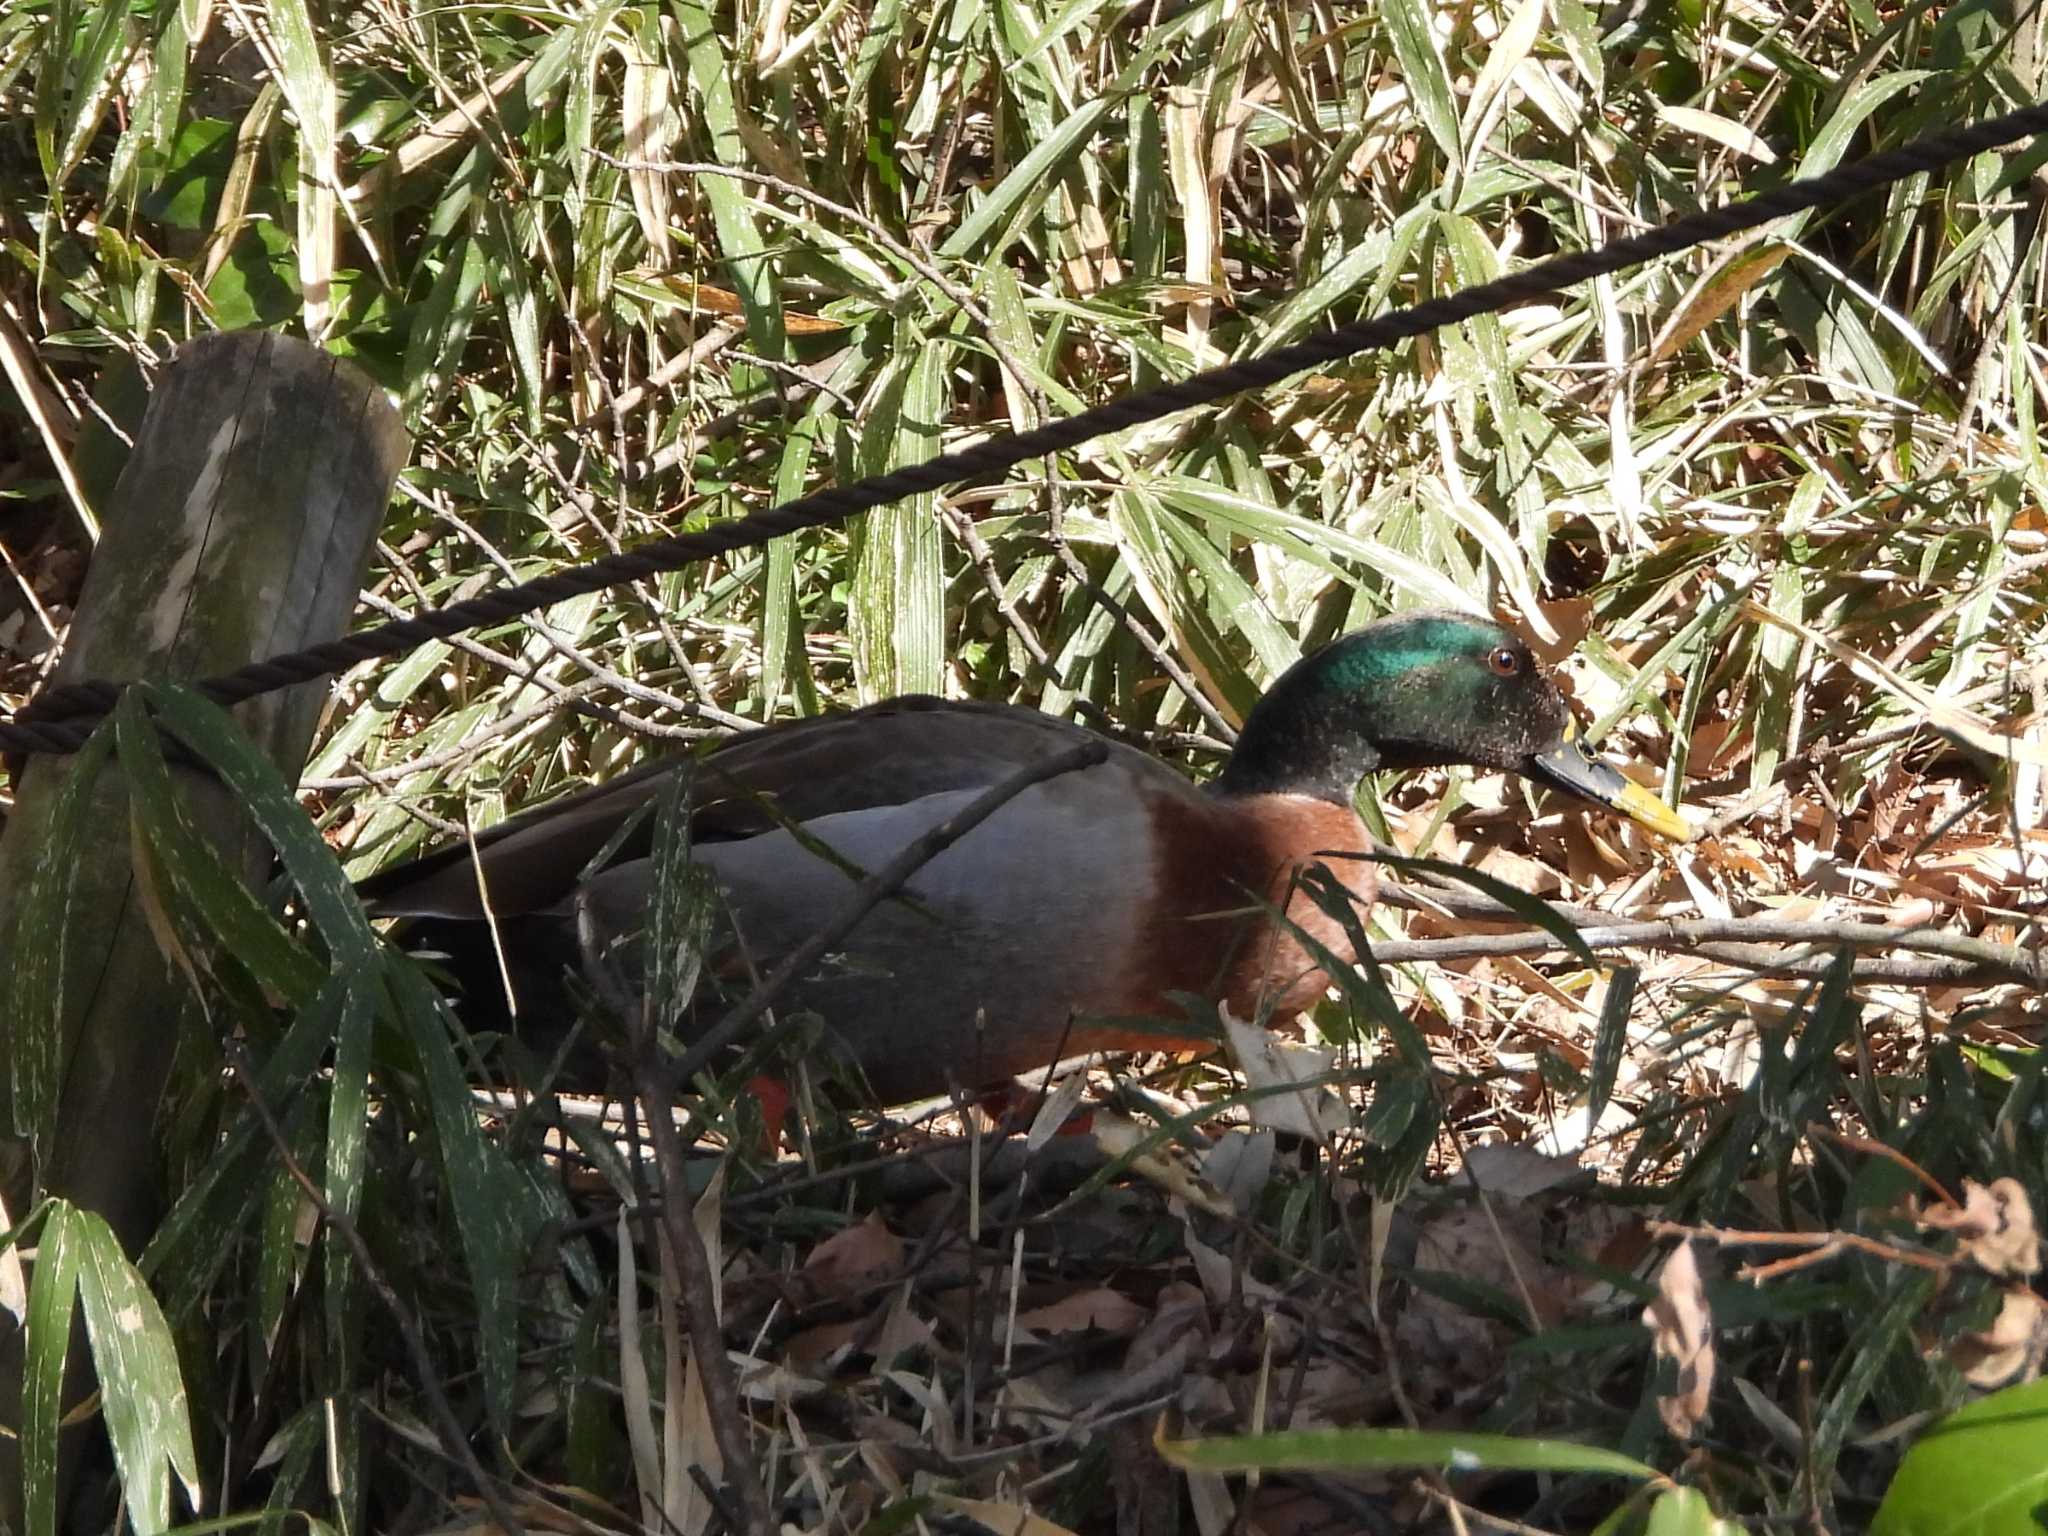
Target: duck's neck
{"type": "Point", "coordinates": [1325, 776]}
{"type": "Point", "coordinates": [1304, 737]}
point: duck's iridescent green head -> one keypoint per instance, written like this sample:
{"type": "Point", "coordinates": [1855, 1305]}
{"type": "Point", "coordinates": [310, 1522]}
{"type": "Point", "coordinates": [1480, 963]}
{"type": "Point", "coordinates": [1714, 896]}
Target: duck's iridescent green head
{"type": "Point", "coordinates": [1417, 690]}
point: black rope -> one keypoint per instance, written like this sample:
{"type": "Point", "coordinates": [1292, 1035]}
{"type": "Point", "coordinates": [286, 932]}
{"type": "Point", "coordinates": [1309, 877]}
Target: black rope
{"type": "Point", "coordinates": [60, 719]}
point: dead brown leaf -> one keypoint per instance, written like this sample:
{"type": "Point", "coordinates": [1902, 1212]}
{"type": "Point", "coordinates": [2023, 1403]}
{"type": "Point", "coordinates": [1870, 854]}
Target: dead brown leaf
{"type": "Point", "coordinates": [1519, 1172]}
{"type": "Point", "coordinates": [860, 1252]}
{"type": "Point", "coordinates": [1522, 872]}
{"type": "Point", "coordinates": [723, 301]}
{"type": "Point", "coordinates": [1682, 1330]}
{"type": "Point", "coordinates": [1096, 1307]}
{"type": "Point", "coordinates": [1994, 1225]}
{"type": "Point", "coordinates": [1718, 747]}
{"type": "Point", "coordinates": [1277, 1069]}
{"type": "Point", "coordinates": [802, 1351]}
{"type": "Point", "coordinates": [1570, 619]}
{"type": "Point", "coordinates": [2013, 1343]}
{"type": "Point", "coordinates": [1445, 1347]}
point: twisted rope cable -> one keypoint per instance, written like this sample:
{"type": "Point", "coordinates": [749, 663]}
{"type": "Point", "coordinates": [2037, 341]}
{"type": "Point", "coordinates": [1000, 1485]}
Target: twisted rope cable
{"type": "Point", "coordinates": [60, 719]}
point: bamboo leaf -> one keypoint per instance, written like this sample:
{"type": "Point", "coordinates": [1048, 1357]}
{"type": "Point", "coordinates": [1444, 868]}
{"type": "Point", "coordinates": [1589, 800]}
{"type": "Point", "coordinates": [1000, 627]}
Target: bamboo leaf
{"type": "Point", "coordinates": [1997, 1447]}
{"type": "Point", "coordinates": [40, 1004]}
{"type": "Point", "coordinates": [1006, 206]}
{"type": "Point", "coordinates": [896, 607]}
{"type": "Point", "coordinates": [142, 1389]}
{"type": "Point", "coordinates": [52, 1294]}
{"type": "Point", "coordinates": [1356, 1449]}
{"type": "Point", "coordinates": [1410, 27]}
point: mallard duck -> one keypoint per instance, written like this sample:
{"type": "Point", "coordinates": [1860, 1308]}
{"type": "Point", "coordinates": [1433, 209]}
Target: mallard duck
{"type": "Point", "coordinates": [1091, 897]}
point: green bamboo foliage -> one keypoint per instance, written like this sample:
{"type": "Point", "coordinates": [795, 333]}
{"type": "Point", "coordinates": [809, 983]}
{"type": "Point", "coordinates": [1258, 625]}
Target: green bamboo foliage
{"type": "Point", "coordinates": [914, 223]}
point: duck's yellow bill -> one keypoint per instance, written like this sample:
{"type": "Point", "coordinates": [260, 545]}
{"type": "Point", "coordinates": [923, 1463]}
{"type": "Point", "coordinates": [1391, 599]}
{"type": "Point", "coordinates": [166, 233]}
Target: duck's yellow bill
{"type": "Point", "coordinates": [1567, 766]}
{"type": "Point", "coordinates": [1640, 804]}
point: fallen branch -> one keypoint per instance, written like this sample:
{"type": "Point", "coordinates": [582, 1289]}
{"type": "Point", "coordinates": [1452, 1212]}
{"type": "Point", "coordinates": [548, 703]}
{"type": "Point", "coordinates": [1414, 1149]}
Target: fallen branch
{"type": "Point", "coordinates": [1740, 941]}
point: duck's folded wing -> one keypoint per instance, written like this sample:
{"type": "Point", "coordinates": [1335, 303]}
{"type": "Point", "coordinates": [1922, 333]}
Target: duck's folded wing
{"type": "Point", "coordinates": [886, 754]}
{"type": "Point", "coordinates": [530, 861]}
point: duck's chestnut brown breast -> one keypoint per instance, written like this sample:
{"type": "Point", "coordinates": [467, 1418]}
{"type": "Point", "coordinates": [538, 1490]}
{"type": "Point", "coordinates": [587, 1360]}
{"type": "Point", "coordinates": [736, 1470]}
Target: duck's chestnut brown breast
{"type": "Point", "coordinates": [1215, 861]}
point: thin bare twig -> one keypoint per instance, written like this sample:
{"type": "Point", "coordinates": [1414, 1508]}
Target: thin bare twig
{"type": "Point", "coordinates": [716, 337]}
{"type": "Point", "coordinates": [874, 230]}
{"type": "Point", "coordinates": [700, 1300]}
{"type": "Point", "coordinates": [1815, 1246]}
{"type": "Point", "coordinates": [653, 697]}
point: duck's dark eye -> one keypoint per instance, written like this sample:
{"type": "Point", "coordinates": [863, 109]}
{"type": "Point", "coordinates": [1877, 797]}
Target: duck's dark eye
{"type": "Point", "coordinates": [1504, 660]}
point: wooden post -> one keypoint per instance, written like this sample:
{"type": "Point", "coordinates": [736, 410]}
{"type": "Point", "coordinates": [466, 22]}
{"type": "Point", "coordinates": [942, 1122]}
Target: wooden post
{"type": "Point", "coordinates": [240, 528]}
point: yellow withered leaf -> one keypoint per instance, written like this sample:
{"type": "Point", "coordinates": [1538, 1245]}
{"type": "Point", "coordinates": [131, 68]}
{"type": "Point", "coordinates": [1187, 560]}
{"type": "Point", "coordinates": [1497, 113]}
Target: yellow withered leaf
{"type": "Point", "coordinates": [1716, 293]}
